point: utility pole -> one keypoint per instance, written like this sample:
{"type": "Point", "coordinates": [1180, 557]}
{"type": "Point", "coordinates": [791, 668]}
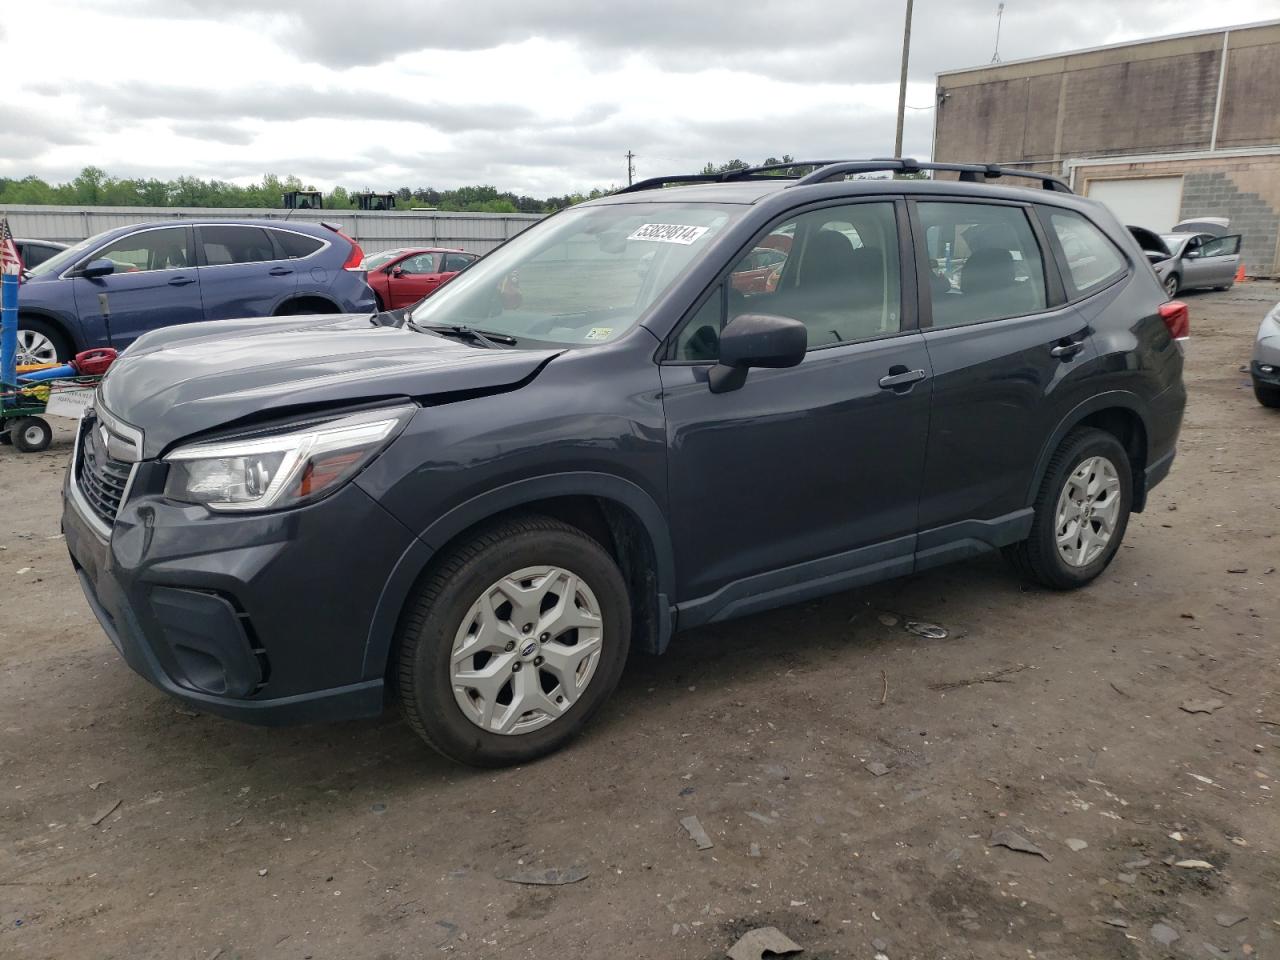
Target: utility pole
{"type": "Point", "coordinates": [631, 167]}
{"type": "Point", "coordinates": [995, 57]}
{"type": "Point", "coordinates": [902, 84]}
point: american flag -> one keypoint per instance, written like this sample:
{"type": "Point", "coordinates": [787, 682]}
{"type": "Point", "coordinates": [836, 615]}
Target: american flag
{"type": "Point", "coordinates": [10, 262]}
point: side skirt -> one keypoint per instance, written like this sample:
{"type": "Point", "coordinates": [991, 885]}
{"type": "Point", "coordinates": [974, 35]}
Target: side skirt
{"type": "Point", "coordinates": [854, 568]}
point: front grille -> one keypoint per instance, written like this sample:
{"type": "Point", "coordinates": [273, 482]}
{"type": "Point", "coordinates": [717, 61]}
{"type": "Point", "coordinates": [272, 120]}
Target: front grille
{"type": "Point", "coordinates": [101, 479]}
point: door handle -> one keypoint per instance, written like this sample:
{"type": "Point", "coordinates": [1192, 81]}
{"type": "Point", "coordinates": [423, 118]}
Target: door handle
{"type": "Point", "coordinates": [181, 281]}
{"type": "Point", "coordinates": [1065, 351]}
{"type": "Point", "coordinates": [900, 376]}
{"type": "Point", "coordinates": [279, 271]}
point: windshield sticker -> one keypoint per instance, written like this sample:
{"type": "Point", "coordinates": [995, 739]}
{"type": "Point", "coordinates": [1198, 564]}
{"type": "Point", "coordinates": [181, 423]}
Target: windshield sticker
{"type": "Point", "coordinates": [599, 333]}
{"type": "Point", "coordinates": [668, 233]}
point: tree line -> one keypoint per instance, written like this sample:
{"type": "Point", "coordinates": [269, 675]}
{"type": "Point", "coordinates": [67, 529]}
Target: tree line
{"type": "Point", "coordinates": [95, 187]}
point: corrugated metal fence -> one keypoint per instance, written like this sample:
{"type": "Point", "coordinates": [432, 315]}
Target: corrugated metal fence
{"type": "Point", "coordinates": [373, 230]}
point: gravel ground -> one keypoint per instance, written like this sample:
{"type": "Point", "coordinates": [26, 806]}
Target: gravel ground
{"type": "Point", "coordinates": [868, 767]}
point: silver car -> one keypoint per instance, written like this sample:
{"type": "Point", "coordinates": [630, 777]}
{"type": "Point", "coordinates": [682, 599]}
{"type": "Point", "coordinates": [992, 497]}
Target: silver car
{"type": "Point", "coordinates": [1200, 260]}
{"type": "Point", "coordinates": [1266, 360]}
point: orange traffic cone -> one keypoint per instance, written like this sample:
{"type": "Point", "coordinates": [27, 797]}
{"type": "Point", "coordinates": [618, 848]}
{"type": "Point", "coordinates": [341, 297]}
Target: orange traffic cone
{"type": "Point", "coordinates": [1240, 278]}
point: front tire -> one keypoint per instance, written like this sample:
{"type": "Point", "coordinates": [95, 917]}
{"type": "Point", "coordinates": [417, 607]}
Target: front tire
{"type": "Point", "coordinates": [1172, 284]}
{"type": "Point", "coordinates": [1081, 512]}
{"type": "Point", "coordinates": [41, 342]}
{"type": "Point", "coordinates": [513, 642]}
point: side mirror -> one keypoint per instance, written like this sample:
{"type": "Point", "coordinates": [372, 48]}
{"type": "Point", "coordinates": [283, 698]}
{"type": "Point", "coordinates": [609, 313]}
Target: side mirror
{"type": "Point", "coordinates": [98, 268]}
{"type": "Point", "coordinates": [397, 271]}
{"type": "Point", "coordinates": [1191, 254]}
{"type": "Point", "coordinates": [756, 340]}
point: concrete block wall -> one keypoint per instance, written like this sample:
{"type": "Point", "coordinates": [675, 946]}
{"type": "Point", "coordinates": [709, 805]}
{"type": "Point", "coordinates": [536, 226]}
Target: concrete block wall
{"type": "Point", "coordinates": [1245, 189]}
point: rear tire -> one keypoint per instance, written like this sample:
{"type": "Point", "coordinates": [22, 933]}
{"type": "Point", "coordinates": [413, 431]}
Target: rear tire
{"type": "Point", "coordinates": [1267, 395]}
{"type": "Point", "coordinates": [1076, 532]}
{"type": "Point", "coordinates": [459, 705]}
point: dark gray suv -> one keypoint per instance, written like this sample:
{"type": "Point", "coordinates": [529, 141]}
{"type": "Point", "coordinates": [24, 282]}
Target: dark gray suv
{"type": "Point", "coordinates": [626, 421]}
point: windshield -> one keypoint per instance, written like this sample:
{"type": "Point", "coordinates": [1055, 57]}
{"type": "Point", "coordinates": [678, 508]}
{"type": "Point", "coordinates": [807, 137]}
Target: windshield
{"type": "Point", "coordinates": [374, 260]}
{"type": "Point", "coordinates": [60, 261]}
{"type": "Point", "coordinates": [582, 276]}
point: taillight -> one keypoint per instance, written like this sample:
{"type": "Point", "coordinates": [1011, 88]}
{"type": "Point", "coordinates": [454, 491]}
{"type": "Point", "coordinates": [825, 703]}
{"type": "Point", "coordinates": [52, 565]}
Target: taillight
{"type": "Point", "coordinates": [1177, 318]}
{"type": "Point", "coordinates": [355, 257]}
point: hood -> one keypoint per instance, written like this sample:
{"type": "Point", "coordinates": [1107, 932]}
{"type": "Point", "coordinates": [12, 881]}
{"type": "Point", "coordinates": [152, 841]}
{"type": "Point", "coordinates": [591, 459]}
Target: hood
{"type": "Point", "coordinates": [185, 380]}
{"type": "Point", "coordinates": [1150, 242]}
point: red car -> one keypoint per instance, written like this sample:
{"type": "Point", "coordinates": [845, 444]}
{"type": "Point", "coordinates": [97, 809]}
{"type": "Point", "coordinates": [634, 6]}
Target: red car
{"type": "Point", "coordinates": [402, 277]}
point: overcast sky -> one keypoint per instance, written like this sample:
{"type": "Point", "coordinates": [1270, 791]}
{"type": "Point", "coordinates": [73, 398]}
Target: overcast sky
{"type": "Point", "coordinates": [537, 96]}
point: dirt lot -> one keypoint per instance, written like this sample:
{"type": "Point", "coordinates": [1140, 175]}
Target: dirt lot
{"type": "Point", "coordinates": [1056, 716]}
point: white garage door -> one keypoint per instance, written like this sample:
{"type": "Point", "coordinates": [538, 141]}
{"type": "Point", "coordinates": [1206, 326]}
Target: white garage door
{"type": "Point", "coordinates": [1151, 202]}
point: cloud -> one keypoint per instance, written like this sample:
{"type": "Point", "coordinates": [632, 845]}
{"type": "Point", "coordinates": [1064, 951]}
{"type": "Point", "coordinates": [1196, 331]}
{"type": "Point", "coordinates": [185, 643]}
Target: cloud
{"type": "Point", "coordinates": [145, 101]}
{"type": "Point", "coordinates": [35, 129]}
{"type": "Point", "coordinates": [537, 96]}
{"type": "Point", "coordinates": [804, 39]}
{"type": "Point", "coordinates": [213, 131]}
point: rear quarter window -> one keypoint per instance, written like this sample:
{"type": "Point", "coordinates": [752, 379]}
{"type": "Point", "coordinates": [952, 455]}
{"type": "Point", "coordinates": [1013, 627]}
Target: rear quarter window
{"type": "Point", "coordinates": [295, 246]}
{"type": "Point", "coordinates": [1092, 260]}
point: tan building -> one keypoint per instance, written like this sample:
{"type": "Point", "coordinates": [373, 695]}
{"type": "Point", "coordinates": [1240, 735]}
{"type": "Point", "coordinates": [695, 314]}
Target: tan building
{"type": "Point", "coordinates": [1161, 130]}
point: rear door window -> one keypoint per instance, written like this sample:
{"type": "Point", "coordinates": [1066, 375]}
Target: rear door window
{"type": "Point", "coordinates": [226, 244]}
{"type": "Point", "coordinates": [1093, 261]}
{"type": "Point", "coordinates": [453, 262]}
{"type": "Point", "coordinates": [985, 263]}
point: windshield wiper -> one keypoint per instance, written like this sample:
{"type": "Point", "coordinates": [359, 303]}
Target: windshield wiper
{"type": "Point", "coordinates": [491, 340]}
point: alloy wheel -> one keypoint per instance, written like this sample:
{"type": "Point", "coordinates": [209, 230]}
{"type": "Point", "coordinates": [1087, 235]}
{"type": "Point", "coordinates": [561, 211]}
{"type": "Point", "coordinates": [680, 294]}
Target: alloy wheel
{"type": "Point", "coordinates": [526, 650]}
{"type": "Point", "coordinates": [35, 347]}
{"type": "Point", "coordinates": [1088, 511]}
{"type": "Point", "coordinates": [1171, 285]}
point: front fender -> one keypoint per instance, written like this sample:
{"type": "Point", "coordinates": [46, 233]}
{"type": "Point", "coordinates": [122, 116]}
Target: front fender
{"type": "Point", "coordinates": [604, 486]}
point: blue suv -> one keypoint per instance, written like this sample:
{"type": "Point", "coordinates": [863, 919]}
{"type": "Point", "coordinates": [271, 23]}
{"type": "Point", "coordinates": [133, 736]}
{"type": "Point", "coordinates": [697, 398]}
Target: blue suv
{"type": "Point", "coordinates": [112, 288]}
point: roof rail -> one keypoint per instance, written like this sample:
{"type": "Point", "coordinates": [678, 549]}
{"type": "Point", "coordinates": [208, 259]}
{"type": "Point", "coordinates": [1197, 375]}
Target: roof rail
{"type": "Point", "coordinates": [824, 170]}
{"type": "Point", "coordinates": [969, 172]}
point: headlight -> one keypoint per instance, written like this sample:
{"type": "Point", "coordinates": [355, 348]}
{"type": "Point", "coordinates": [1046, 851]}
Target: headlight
{"type": "Point", "coordinates": [283, 469]}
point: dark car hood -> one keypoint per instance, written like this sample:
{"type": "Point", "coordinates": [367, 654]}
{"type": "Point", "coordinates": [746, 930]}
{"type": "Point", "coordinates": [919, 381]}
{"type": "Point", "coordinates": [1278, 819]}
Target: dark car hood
{"type": "Point", "coordinates": [185, 380]}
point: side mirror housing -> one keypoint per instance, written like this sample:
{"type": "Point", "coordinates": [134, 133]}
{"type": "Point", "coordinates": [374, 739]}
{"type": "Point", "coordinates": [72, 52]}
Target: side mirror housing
{"type": "Point", "coordinates": [98, 268]}
{"type": "Point", "coordinates": [756, 340]}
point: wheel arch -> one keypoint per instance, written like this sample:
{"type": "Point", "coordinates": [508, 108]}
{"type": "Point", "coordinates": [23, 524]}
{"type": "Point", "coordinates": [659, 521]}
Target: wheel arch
{"type": "Point", "coordinates": [1118, 413]}
{"type": "Point", "coordinates": [64, 325]}
{"type": "Point", "coordinates": [616, 512]}
{"type": "Point", "coordinates": [293, 298]}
